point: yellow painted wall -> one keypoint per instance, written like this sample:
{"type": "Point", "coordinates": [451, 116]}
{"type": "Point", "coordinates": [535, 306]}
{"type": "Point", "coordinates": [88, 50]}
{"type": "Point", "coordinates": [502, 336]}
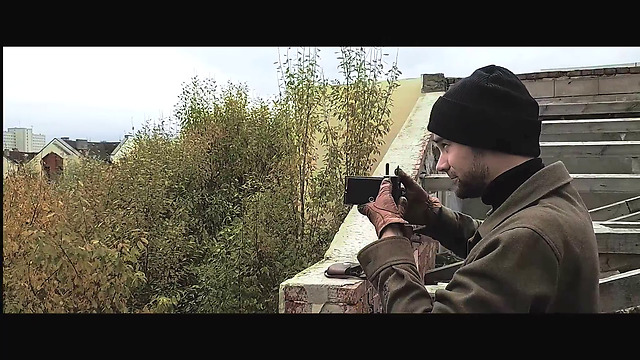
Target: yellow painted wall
{"type": "Point", "coordinates": [403, 99]}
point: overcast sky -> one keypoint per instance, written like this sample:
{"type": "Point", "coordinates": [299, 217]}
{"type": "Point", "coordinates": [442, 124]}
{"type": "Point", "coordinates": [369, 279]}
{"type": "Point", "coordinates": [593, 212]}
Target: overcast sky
{"type": "Point", "coordinates": [98, 93]}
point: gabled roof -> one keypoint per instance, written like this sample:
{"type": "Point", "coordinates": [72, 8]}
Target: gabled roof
{"type": "Point", "coordinates": [63, 145]}
{"type": "Point", "coordinates": [101, 150]}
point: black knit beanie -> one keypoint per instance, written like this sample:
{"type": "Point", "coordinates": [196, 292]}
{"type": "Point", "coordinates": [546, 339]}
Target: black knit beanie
{"type": "Point", "coordinates": [491, 109]}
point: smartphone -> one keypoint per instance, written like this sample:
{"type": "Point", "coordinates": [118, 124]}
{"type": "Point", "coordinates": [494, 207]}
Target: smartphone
{"type": "Point", "coordinates": [363, 189]}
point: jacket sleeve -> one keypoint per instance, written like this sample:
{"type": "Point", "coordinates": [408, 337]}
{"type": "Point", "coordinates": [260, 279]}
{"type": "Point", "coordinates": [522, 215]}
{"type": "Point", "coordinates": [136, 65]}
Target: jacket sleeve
{"type": "Point", "coordinates": [391, 269]}
{"type": "Point", "coordinates": [452, 229]}
{"type": "Point", "coordinates": [515, 271]}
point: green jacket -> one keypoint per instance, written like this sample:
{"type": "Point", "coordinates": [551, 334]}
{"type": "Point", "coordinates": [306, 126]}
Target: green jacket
{"type": "Point", "coordinates": [536, 253]}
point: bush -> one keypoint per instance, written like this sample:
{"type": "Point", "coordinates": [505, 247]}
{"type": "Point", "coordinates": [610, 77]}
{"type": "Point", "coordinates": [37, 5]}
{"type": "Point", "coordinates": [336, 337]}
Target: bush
{"type": "Point", "coordinates": [208, 219]}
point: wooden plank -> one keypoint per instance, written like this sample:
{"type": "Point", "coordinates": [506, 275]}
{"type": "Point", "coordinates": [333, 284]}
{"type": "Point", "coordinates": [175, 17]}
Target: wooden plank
{"type": "Point", "coordinates": [443, 273]}
{"type": "Point", "coordinates": [590, 148]}
{"type": "Point", "coordinates": [594, 165]}
{"type": "Point", "coordinates": [617, 240]}
{"type": "Point", "coordinates": [552, 110]}
{"type": "Point", "coordinates": [576, 86]}
{"type": "Point", "coordinates": [620, 262]}
{"type": "Point", "coordinates": [605, 183]}
{"type": "Point", "coordinates": [594, 136]}
{"type": "Point", "coordinates": [619, 224]}
{"type": "Point", "coordinates": [629, 217]}
{"type": "Point", "coordinates": [587, 98]}
{"type": "Point", "coordinates": [620, 291]}
{"type": "Point", "coordinates": [616, 209]}
{"type": "Point", "coordinates": [586, 126]}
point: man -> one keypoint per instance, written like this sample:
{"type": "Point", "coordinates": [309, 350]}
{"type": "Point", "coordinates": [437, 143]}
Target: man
{"type": "Point", "coordinates": [535, 252]}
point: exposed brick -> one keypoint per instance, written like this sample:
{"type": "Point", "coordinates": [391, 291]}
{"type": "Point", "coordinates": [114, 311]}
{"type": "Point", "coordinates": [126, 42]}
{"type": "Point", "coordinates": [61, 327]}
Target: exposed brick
{"type": "Point", "coordinates": [358, 308]}
{"type": "Point", "coordinates": [348, 294]}
{"type": "Point", "coordinates": [296, 307]}
{"type": "Point", "coordinates": [295, 293]}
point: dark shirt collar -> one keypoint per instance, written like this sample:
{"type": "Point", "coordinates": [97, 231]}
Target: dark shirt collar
{"type": "Point", "coordinates": [506, 183]}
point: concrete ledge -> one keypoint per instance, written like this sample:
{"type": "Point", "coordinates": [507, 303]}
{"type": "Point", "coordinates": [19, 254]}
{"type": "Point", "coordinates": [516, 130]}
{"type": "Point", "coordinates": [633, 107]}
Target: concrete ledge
{"type": "Point", "coordinates": [310, 291]}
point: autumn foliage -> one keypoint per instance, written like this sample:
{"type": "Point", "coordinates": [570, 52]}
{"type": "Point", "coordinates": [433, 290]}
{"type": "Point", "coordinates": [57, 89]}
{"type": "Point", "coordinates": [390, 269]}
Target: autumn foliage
{"type": "Point", "coordinates": [210, 218]}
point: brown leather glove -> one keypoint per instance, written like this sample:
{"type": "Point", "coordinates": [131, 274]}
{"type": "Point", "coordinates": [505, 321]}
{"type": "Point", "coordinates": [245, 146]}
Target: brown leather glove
{"type": "Point", "coordinates": [417, 206]}
{"type": "Point", "coordinates": [383, 211]}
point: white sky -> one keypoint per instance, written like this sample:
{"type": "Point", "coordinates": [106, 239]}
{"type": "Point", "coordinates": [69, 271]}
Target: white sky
{"type": "Point", "coordinates": [96, 93]}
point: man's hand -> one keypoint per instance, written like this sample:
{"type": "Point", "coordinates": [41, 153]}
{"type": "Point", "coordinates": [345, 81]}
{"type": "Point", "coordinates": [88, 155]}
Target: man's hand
{"type": "Point", "coordinates": [418, 207]}
{"type": "Point", "coordinates": [383, 211]}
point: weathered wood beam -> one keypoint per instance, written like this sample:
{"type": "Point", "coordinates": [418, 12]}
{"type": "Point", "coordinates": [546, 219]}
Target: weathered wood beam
{"type": "Point", "coordinates": [589, 98]}
{"type": "Point", "coordinates": [622, 125]}
{"type": "Point", "coordinates": [548, 111]}
{"type": "Point", "coordinates": [619, 224]}
{"type": "Point", "coordinates": [589, 148]}
{"type": "Point", "coordinates": [620, 291]}
{"type": "Point", "coordinates": [595, 165]}
{"type": "Point", "coordinates": [620, 262]}
{"type": "Point", "coordinates": [616, 209]}
{"type": "Point", "coordinates": [605, 183]}
{"type": "Point", "coordinates": [591, 130]}
{"type": "Point", "coordinates": [617, 240]}
{"type": "Point", "coordinates": [629, 217]}
{"type": "Point", "coordinates": [594, 136]}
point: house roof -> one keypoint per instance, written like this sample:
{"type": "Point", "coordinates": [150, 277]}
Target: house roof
{"type": "Point", "coordinates": [100, 150]}
{"type": "Point", "coordinates": [64, 145]}
{"type": "Point", "coordinates": [19, 157]}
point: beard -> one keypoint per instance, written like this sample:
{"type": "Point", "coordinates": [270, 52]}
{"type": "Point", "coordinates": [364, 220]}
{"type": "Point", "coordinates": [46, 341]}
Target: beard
{"type": "Point", "coordinates": [472, 183]}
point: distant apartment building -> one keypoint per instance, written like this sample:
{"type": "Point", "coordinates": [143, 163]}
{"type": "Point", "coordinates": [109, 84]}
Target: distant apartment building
{"type": "Point", "coordinates": [22, 139]}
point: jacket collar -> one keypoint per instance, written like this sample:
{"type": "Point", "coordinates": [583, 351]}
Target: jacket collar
{"type": "Point", "coordinates": [541, 183]}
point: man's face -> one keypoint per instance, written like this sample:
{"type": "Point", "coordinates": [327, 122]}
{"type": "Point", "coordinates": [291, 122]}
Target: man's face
{"type": "Point", "coordinates": [465, 165]}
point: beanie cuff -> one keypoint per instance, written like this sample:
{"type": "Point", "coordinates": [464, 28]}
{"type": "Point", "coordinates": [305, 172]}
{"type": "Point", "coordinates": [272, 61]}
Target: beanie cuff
{"type": "Point", "coordinates": [476, 127]}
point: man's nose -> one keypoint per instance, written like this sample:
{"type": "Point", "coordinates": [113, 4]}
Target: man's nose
{"type": "Point", "coordinates": [443, 163]}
